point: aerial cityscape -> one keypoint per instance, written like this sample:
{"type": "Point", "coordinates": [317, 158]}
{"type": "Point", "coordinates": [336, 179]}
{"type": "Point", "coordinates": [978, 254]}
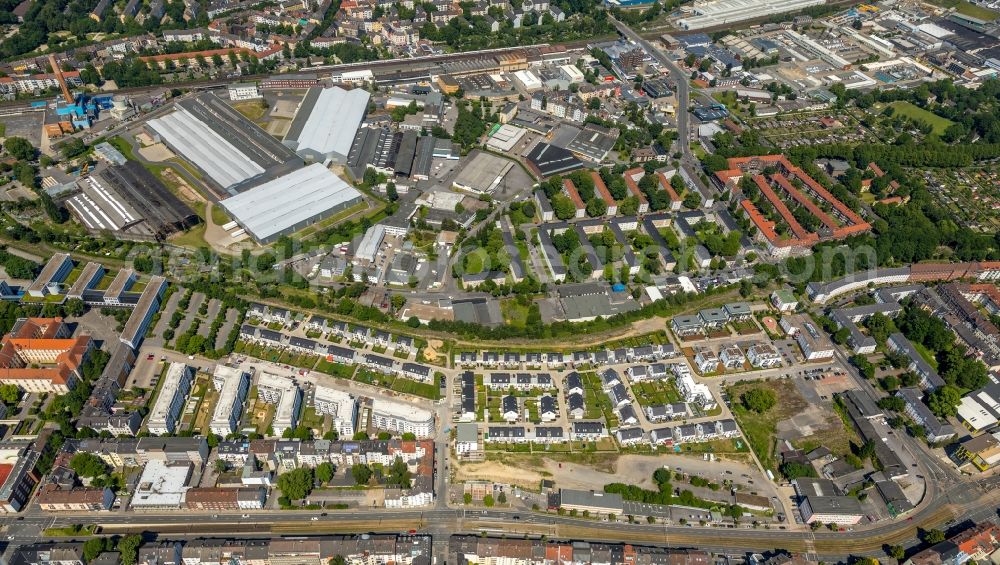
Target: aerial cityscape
{"type": "Point", "coordinates": [494, 282]}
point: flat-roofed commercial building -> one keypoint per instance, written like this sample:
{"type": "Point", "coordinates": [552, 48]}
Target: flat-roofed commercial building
{"type": "Point", "coordinates": [980, 409]}
{"type": "Point", "coordinates": [232, 384]}
{"type": "Point", "coordinates": [820, 501]}
{"type": "Point", "coordinates": [590, 501]}
{"type": "Point", "coordinates": [721, 12]}
{"type": "Point", "coordinates": [167, 408]}
{"type": "Point", "coordinates": [162, 485]}
{"type": "Point", "coordinates": [402, 418]}
{"type": "Point", "coordinates": [55, 271]}
{"type": "Point", "coordinates": [326, 122]}
{"type": "Point", "coordinates": [291, 202]}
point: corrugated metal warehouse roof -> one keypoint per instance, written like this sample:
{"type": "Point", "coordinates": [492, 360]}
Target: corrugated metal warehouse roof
{"type": "Point", "coordinates": [205, 148]}
{"type": "Point", "coordinates": [326, 122]}
{"type": "Point", "coordinates": [291, 202]}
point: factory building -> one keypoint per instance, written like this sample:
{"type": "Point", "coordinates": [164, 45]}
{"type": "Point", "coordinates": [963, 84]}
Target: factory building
{"type": "Point", "coordinates": [326, 123]}
{"type": "Point", "coordinates": [719, 12]}
{"type": "Point", "coordinates": [291, 202]}
{"type": "Point", "coordinates": [130, 201]}
{"type": "Point", "coordinates": [233, 152]}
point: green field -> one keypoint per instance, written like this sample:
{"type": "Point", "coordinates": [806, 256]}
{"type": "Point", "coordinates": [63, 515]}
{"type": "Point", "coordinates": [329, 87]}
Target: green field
{"type": "Point", "coordinates": [968, 8]}
{"type": "Point", "coordinates": [915, 113]}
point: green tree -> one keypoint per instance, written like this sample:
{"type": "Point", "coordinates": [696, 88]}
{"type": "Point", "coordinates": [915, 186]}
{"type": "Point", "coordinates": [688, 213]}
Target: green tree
{"type": "Point", "coordinates": [563, 207]}
{"type": "Point", "coordinates": [944, 401]}
{"type": "Point", "coordinates": [74, 307]}
{"type": "Point", "coordinates": [296, 484]}
{"type": "Point", "coordinates": [361, 473]}
{"type": "Point", "coordinates": [932, 536]}
{"type": "Point", "coordinates": [758, 399]}
{"type": "Point", "coordinates": [19, 148]}
{"type": "Point", "coordinates": [502, 498]}
{"type": "Point", "coordinates": [467, 498]}
{"type": "Point", "coordinates": [128, 548]}
{"type": "Point", "coordinates": [692, 200]}
{"type": "Point", "coordinates": [88, 465]}
{"type": "Point", "coordinates": [793, 470]}
{"type": "Point", "coordinates": [337, 560]}
{"type": "Point", "coordinates": [897, 552]}
{"type": "Point", "coordinates": [488, 501]}
{"type": "Point", "coordinates": [597, 207]}
{"type": "Point", "coordinates": [92, 548]}
{"type": "Point", "coordinates": [324, 472]}
{"type": "Point", "coordinates": [10, 394]}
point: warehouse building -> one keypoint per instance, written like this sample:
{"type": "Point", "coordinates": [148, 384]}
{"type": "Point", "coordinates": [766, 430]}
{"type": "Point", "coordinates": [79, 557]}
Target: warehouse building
{"type": "Point", "coordinates": [719, 12]}
{"type": "Point", "coordinates": [231, 150]}
{"type": "Point", "coordinates": [130, 201]}
{"type": "Point", "coordinates": [483, 173]}
{"type": "Point", "coordinates": [291, 202]}
{"type": "Point", "coordinates": [547, 160]}
{"type": "Point", "coordinates": [326, 123]}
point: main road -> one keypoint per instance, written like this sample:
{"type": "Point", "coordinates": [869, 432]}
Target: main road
{"type": "Point", "coordinates": [965, 501]}
{"type": "Point", "coordinates": [684, 133]}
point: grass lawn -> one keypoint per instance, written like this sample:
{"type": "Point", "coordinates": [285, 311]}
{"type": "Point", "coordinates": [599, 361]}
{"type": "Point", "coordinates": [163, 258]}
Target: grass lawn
{"type": "Point", "coordinates": [194, 237]}
{"type": "Point", "coordinates": [514, 313]}
{"type": "Point", "coordinates": [219, 216]}
{"type": "Point", "coordinates": [968, 9]}
{"type": "Point", "coordinates": [311, 419]}
{"type": "Point", "coordinates": [425, 390]}
{"type": "Point", "coordinates": [937, 123]}
{"type": "Point", "coordinates": [655, 392]}
{"type": "Point", "coordinates": [339, 370]}
{"type": "Point", "coordinates": [473, 263]}
{"type": "Point", "coordinates": [760, 429]}
{"type": "Point", "coordinates": [253, 109]}
{"type": "Point", "coordinates": [926, 354]}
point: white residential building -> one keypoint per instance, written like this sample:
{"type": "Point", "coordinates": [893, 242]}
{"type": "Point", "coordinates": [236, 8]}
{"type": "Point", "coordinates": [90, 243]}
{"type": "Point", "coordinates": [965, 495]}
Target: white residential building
{"type": "Point", "coordinates": [402, 418]}
{"type": "Point", "coordinates": [339, 404]}
{"type": "Point", "coordinates": [694, 392]}
{"type": "Point", "coordinates": [233, 385]}
{"type": "Point", "coordinates": [764, 355]}
{"type": "Point", "coordinates": [167, 408]}
{"type": "Point", "coordinates": [285, 395]}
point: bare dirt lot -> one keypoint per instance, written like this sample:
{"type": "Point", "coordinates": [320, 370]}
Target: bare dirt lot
{"type": "Point", "coordinates": [157, 152]}
{"type": "Point", "coordinates": [528, 470]}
